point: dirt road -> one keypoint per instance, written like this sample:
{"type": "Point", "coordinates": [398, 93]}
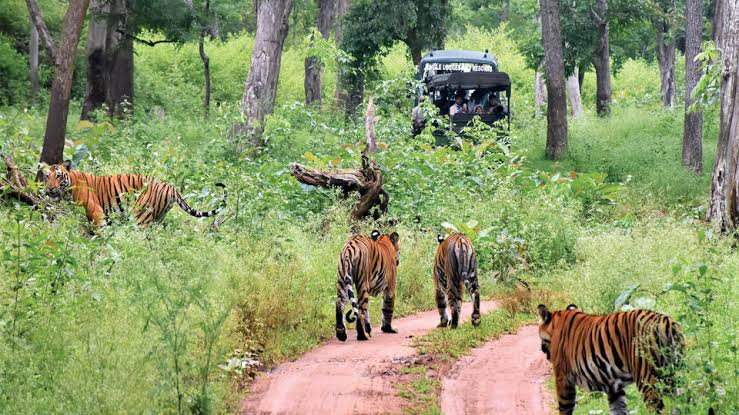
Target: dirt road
{"type": "Point", "coordinates": [345, 378]}
{"type": "Point", "coordinates": [505, 376]}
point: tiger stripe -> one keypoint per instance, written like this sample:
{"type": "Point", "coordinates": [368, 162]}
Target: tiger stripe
{"type": "Point", "coordinates": [606, 353]}
{"type": "Point", "coordinates": [101, 195]}
{"type": "Point", "coordinates": [455, 267]}
{"type": "Point", "coordinates": [368, 264]}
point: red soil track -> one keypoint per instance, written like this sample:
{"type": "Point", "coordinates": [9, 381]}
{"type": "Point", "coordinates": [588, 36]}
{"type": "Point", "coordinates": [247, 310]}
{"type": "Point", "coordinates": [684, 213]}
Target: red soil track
{"type": "Point", "coordinates": [345, 378]}
{"type": "Point", "coordinates": [505, 376]}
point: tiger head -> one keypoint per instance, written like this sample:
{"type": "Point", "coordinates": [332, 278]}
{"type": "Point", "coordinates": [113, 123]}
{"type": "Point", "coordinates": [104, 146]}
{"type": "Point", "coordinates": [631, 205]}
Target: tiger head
{"type": "Point", "coordinates": [56, 179]}
{"type": "Point", "coordinates": [392, 238]}
{"type": "Point", "coordinates": [548, 321]}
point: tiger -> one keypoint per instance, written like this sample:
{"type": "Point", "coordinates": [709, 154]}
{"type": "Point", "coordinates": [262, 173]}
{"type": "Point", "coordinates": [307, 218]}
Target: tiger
{"type": "Point", "coordinates": [607, 352]}
{"type": "Point", "coordinates": [370, 265]}
{"type": "Point", "coordinates": [455, 265]}
{"type": "Point", "coordinates": [101, 195]}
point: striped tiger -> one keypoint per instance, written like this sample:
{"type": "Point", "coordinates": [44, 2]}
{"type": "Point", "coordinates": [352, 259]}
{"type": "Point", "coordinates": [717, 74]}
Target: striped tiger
{"type": "Point", "coordinates": [606, 353]}
{"type": "Point", "coordinates": [370, 265]}
{"type": "Point", "coordinates": [101, 195]}
{"type": "Point", "coordinates": [455, 267]}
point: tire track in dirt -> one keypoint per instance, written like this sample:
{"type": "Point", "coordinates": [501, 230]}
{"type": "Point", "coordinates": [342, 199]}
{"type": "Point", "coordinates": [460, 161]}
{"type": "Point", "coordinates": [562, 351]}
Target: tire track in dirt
{"type": "Point", "coordinates": [505, 376]}
{"type": "Point", "coordinates": [345, 378]}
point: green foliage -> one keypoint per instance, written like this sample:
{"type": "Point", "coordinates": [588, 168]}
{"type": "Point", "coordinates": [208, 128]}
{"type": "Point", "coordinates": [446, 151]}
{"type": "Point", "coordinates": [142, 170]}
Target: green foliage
{"type": "Point", "coordinates": [14, 72]}
{"type": "Point", "coordinates": [707, 92]}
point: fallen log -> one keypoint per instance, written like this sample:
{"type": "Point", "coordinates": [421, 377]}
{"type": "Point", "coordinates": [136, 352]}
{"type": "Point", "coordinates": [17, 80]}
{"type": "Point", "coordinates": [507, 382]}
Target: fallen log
{"type": "Point", "coordinates": [367, 181]}
{"type": "Point", "coordinates": [15, 186]}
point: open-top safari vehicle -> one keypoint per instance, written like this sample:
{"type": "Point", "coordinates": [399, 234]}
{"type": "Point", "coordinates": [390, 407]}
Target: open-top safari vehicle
{"type": "Point", "coordinates": [463, 85]}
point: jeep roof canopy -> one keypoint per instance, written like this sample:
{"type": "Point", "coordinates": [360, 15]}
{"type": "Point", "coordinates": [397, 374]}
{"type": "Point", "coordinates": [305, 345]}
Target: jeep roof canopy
{"type": "Point", "coordinates": [457, 56]}
{"type": "Point", "coordinates": [494, 81]}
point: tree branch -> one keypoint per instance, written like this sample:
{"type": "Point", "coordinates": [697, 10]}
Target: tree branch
{"type": "Point", "coordinates": [15, 185]}
{"type": "Point", "coordinates": [144, 41]}
{"type": "Point", "coordinates": [38, 20]}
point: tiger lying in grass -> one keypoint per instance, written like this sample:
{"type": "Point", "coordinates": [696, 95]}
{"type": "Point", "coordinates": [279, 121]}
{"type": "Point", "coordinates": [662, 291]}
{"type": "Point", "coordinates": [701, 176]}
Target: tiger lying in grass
{"type": "Point", "coordinates": [101, 195]}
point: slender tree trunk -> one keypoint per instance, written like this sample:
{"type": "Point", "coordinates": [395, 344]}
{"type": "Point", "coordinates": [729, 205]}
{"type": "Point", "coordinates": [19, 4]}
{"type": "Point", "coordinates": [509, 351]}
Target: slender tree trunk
{"type": "Point", "coordinates": [260, 87]}
{"type": "Point", "coordinates": [718, 20]}
{"type": "Point", "coordinates": [61, 87]}
{"type": "Point", "coordinates": [33, 55]}
{"type": "Point", "coordinates": [206, 73]}
{"type": "Point", "coordinates": [540, 91]}
{"type": "Point", "coordinates": [581, 76]}
{"type": "Point", "coordinates": [313, 67]}
{"type": "Point", "coordinates": [38, 20]}
{"type": "Point", "coordinates": [601, 59]}
{"type": "Point", "coordinates": [573, 92]}
{"type": "Point", "coordinates": [723, 210]}
{"type": "Point", "coordinates": [506, 12]}
{"type": "Point", "coordinates": [557, 102]}
{"type": "Point", "coordinates": [342, 7]}
{"type": "Point", "coordinates": [666, 59]}
{"type": "Point", "coordinates": [693, 124]}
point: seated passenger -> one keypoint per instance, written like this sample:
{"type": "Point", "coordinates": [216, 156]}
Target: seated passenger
{"type": "Point", "coordinates": [459, 106]}
{"type": "Point", "coordinates": [417, 117]}
{"type": "Point", "coordinates": [479, 110]}
{"type": "Point", "coordinates": [495, 106]}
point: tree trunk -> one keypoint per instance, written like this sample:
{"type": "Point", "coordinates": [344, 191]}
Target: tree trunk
{"type": "Point", "coordinates": [540, 92]}
{"type": "Point", "coordinates": [555, 71]}
{"type": "Point", "coordinates": [120, 47]}
{"type": "Point", "coordinates": [581, 76]}
{"type": "Point", "coordinates": [61, 87]}
{"type": "Point", "coordinates": [601, 59]}
{"type": "Point", "coordinates": [666, 59]}
{"type": "Point", "coordinates": [506, 12]}
{"type": "Point", "coordinates": [97, 67]}
{"type": "Point", "coordinates": [369, 126]}
{"type": "Point", "coordinates": [573, 92]}
{"type": "Point", "coordinates": [109, 59]}
{"type": "Point", "coordinates": [313, 67]}
{"type": "Point", "coordinates": [693, 123]}
{"type": "Point", "coordinates": [33, 58]}
{"type": "Point", "coordinates": [260, 87]}
{"type": "Point", "coordinates": [723, 210]}
{"type": "Point", "coordinates": [414, 45]}
{"type": "Point", "coordinates": [38, 20]}
{"type": "Point", "coordinates": [206, 73]}
{"type": "Point", "coordinates": [342, 7]}
{"type": "Point", "coordinates": [718, 20]}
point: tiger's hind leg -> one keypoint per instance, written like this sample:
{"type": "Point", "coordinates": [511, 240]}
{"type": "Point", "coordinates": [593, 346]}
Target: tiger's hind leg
{"type": "Point", "coordinates": [454, 294]}
{"type": "Point", "coordinates": [363, 295]}
{"type": "Point", "coordinates": [441, 301]}
{"type": "Point", "coordinates": [617, 403]}
{"type": "Point", "coordinates": [340, 327]}
{"type": "Point", "coordinates": [388, 306]}
{"type": "Point", "coordinates": [474, 289]}
{"type": "Point", "coordinates": [367, 325]}
{"type": "Point", "coordinates": [441, 304]}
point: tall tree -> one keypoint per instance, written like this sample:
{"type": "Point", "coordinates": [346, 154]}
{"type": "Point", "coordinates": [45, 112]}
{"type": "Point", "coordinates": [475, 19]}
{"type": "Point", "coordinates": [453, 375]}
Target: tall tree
{"type": "Point", "coordinates": [693, 122]}
{"type": "Point", "coordinates": [110, 65]}
{"type": "Point", "coordinates": [37, 21]}
{"type": "Point", "coordinates": [371, 27]}
{"type": "Point", "coordinates": [555, 72]}
{"type": "Point", "coordinates": [33, 61]}
{"type": "Point", "coordinates": [313, 67]}
{"type": "Point", "coordinates": [61, 87]}
{"type": "Point", "coordinates": [601, 58]}
{"type": "Point", "coordinates": [573, 93]}
{"type": "Point", "coordinates": [342, 7]}
{"type": "Point", "coordinates": [723, 210]}
{"type": "Point", "coordinates": [665, 25]}
{"type": "Point", "coordinates": [260, 87]}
